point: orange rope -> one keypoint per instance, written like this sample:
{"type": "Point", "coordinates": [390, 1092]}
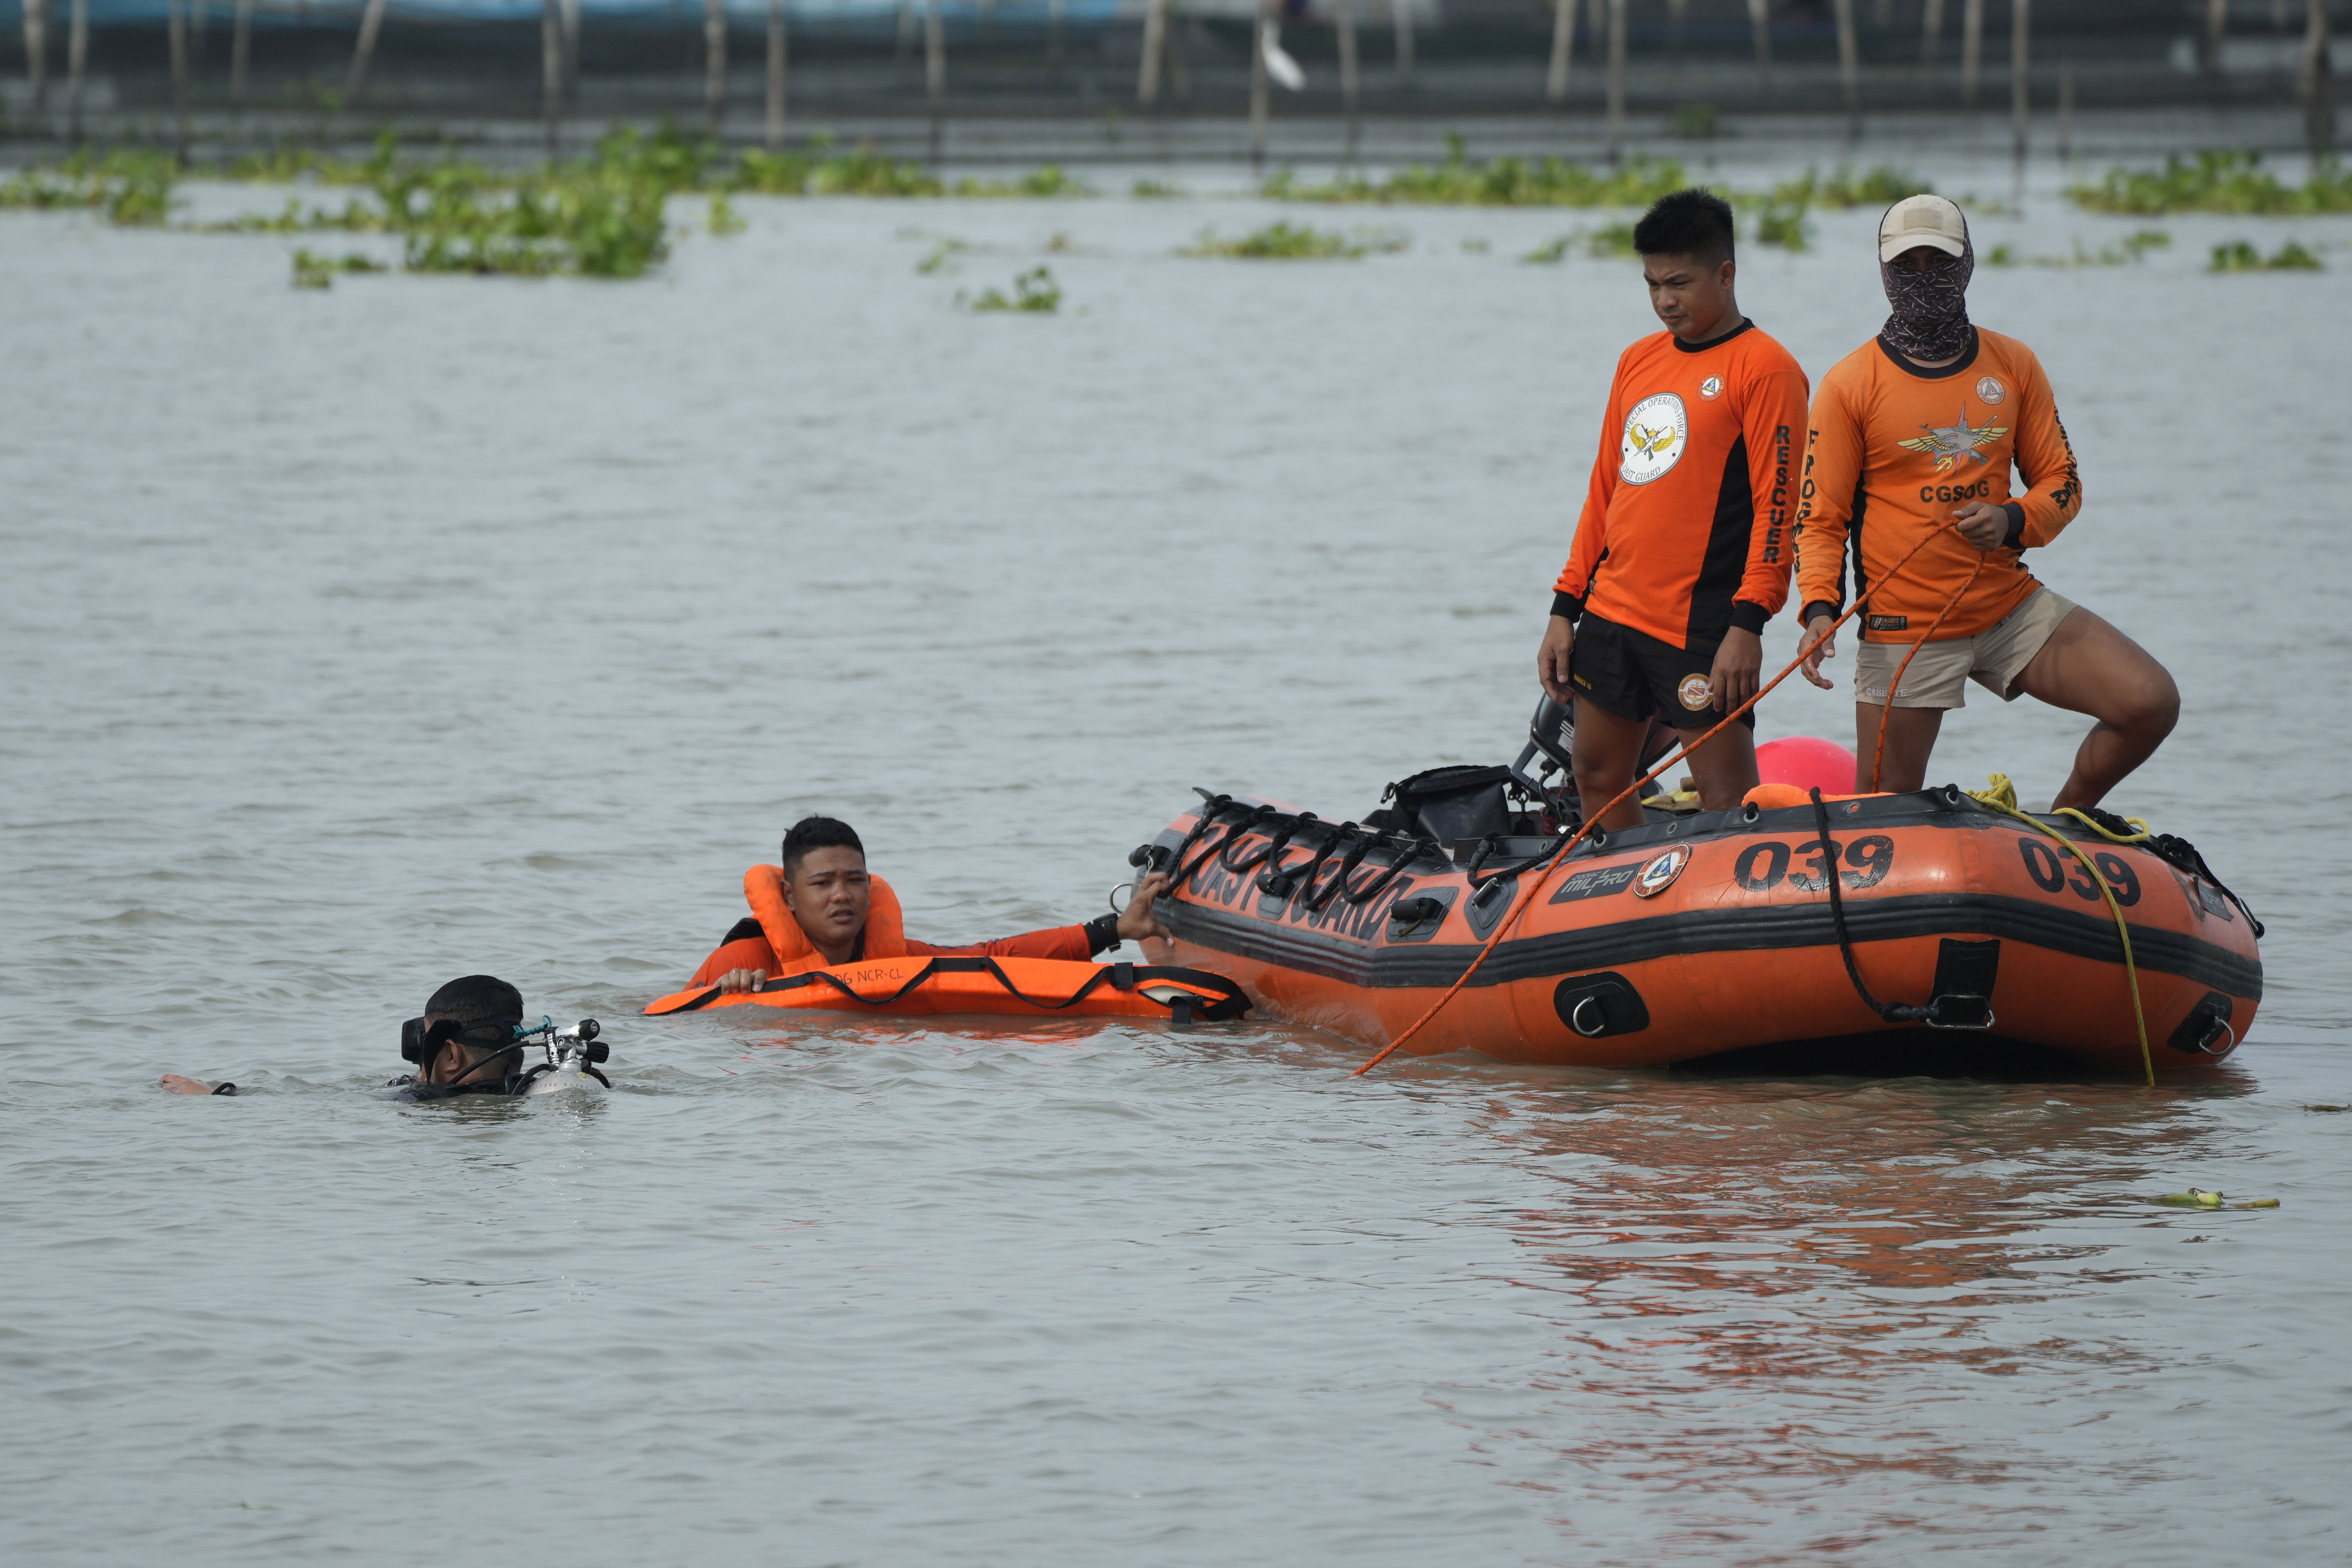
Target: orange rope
{"type": "Point", "coordinates": [1878, 757]}
{"type": "Point", "coordinates": [1504, 926]}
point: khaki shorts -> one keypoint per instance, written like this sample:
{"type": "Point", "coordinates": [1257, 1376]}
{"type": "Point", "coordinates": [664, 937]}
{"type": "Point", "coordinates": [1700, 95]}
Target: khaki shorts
{"type": "Point", "coordinates": [1940, 676]}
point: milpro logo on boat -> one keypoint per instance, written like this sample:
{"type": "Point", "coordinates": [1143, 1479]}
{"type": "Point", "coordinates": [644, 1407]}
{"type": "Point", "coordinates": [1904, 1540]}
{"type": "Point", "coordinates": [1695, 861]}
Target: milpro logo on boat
{"type": "Point", "coordinates": [1693, 692]}
{"type": "Point", "coordinates": [1659, 875]}
{"type": "Point", "coordinates": [1989, 391]}
{"type": "Point", "coordinates": [1656, 432]}
{"type": "Point", "coordinates": [1598, 882]}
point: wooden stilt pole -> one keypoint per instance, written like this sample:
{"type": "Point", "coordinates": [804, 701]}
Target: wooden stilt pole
{"type": "Point", "coordinates": [2318, 80]}
{"type": "Point", "coordinates": [1971, 50]}
{"type": "Point", "coordinates": [714, 62]}
{"type": "Point", "coordinates": [568, 15]}
{"type": "Point", "coordinates": [906, 44]}
{"type": "Point", "coordinates": [1563, 51]}
{"type": "Point", "coordinates": [1261, 94]}
{"type": "Point", "coordinates": [370, 25]}
{"type": "Point", "coordinates": [935, 70]}
{"type": "Point", "coordinates": [2066, 111]}
{"type": "Point", "coordinates": [1759, 22]}
{"type": "Point", "coordinates": [551, 73]}
{"type": "Point", "coordinates": [2021, 62]}
{"type": "Point", "coordinates": [779, 47]}
{"type": "Point", "coordinates": [1931, 31]}
{"type": "Point", "coordinates": [1155, 44]}
{"type": "Point", "coordinates": [1616, 81]}
{"type": "Point", "coordinates": [1849, 69]}
{"type": "Point", "coordinates": [1056, 16]}
{"type": "Point", "coordinates": [2208, 45]}
{"type": "Point", "coordinates": [77, 65]}
{"type": "Point", "coordinates": [240, 51]}
{"type": "Point", "coordinates": [1401, 14]}
{"type": "Point", "coordinates": [175, 28]}
{"type": "Point", "coordinates": [1350, 71]}
{"type": "Point", "coordinates": [36, 53]}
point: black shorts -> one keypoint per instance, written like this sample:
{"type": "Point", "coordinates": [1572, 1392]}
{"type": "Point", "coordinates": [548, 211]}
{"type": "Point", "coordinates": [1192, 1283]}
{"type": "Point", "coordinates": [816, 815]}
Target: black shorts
{"type": "Point", "coordinates": [1633, 675]}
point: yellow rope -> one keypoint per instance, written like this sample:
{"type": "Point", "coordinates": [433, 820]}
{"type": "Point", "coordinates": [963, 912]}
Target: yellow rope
{"type": "Point", "coordinates": [2001, 796]}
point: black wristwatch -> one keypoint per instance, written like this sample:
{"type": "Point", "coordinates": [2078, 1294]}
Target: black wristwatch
{"type": "Point", "coordinates": [1102, 935]}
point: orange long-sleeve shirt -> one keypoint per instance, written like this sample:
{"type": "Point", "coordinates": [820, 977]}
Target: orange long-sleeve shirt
{"type": "Point", "coordinates": [1684, 528]}
{"type": "Point", "coordinates": [1892, 451]}
{"type": "Point", "coordinates": [741, 951]}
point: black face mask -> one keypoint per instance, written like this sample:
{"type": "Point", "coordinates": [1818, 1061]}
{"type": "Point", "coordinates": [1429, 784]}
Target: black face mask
{"type": "Point", "coordinates": [419, 1044]}
{"type": "Point", "coordinates": [1931, 307]}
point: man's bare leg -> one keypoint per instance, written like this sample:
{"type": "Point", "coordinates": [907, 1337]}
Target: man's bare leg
{"type": "Point", "coordinates": [2089, 666]}
{"type": "Point", "coordinates": [1910, 741]}
{"type": "Point", "coordinates": [1607, 756]}
{"type": "Point", "coordinates": [1725, 768]}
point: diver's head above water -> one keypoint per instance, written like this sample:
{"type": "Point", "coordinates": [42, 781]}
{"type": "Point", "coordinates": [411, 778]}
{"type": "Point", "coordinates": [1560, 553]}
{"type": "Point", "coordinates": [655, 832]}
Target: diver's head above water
{"type": "Point", "coordinates": [827, 886]}
{"type": "Point", "coordinates": [466, 1040]}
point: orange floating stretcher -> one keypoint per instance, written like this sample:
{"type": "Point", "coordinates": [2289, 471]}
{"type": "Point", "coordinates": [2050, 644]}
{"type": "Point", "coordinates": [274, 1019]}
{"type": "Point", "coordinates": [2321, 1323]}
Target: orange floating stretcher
{"type": "Point", "coordinates": [1958, 923]}
{"type": "Point", "coordinates": [934, 985]}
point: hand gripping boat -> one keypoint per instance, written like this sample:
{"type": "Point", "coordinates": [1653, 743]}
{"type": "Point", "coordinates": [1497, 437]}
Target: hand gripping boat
{"type": "Point", "coordinates": [1699, 934]}
{"type": "Point", "coordinates": [932, 985]}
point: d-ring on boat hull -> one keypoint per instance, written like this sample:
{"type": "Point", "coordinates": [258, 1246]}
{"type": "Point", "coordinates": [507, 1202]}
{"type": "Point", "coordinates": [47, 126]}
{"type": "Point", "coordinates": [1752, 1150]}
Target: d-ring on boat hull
{"type": "Point", "coordinates": [1715, 932]}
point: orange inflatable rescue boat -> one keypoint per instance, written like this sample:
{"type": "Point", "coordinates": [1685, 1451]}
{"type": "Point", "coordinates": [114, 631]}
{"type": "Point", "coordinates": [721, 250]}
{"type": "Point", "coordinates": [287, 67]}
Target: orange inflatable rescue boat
{"type": "Point", "coordinates": [1862, 929]}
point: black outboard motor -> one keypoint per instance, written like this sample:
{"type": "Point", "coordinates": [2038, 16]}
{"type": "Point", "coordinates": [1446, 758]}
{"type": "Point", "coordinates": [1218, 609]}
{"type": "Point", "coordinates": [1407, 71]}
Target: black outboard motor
{"type": "Point", "coordinates": [1552, 732]}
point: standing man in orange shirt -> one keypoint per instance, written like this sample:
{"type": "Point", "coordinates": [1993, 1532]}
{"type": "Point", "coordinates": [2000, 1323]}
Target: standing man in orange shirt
{"type": "Point", "coordinates": [1920, 426]}
{"type": "Point", "coordinates": [1681, 553]}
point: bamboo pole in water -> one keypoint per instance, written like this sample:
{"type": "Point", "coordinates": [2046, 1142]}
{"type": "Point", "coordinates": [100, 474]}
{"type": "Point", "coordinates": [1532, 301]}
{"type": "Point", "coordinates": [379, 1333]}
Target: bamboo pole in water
{"type": "Point", "coordinates": [779, 63]}
{"type": "Point", "coordinates": [568, 15]}
{"type": "Point", "coordinates": [1931, 31]}
{"type": "Point", "coordinates": [370, 25]}
{"type": "Point", "coordinates": [1155, 42]}
{"type": "Point", "coordinates": [1971, 50]}
{"type": "Point", "coordinates": [1260, 104]}
{"type": "Point", "coordinates": [2065, 110]}
{"type": "Point", "coordinates": [1849, 69]}
{"type": "Point", "coordinates": [175, 28]}
{"type": "Point", "coordinates": [2318, 79]}
{"type": "Point", "coordinates": [2208, 46]}
{"type": "Point", "coordinates": [240, 51]}
{"type": "Point", "coordinates": [1056, 14]}
{"type": "Point", "coordinates": [77, 64]}
{"type": "Point", "coordinates": [550, 72]}
{"type": "Point", "coordinates": [935, 57]}
{"type": "Point", "coordinates": [1343, 16]}
{"type": "Point", "coordinates": [36, 53]}
{"type": "Point", "coordinates": [2020, 61]}
{"type": "Point", "coordinates": [1401, 14]}
{"type": "Point", "coordinates": [1563, 50]}
{"type": "Point", "coordinates": [1759, 21]}
{"type": "Point", "coordinates": [1616, 79]}
{"type": "Point", "coordinates": [714, 61]}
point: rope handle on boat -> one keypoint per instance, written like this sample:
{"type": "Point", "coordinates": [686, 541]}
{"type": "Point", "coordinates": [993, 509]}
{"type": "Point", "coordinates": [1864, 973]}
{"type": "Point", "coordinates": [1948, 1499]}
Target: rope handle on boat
{"type": "Point", "coordinates": [1548, 862]}
{"type": "Point", "coordinates": [1933, 1014]}
{"type": "Point", "coordinates": [2000, 795]}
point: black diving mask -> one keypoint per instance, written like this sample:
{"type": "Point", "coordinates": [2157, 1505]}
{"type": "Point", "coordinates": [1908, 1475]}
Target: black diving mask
{"type": "Point", "coordinates": [418, 1044]}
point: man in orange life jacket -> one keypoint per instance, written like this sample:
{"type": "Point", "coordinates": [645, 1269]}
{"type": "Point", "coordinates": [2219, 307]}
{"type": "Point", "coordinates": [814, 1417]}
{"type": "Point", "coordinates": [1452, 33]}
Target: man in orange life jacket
{"type": "Point", "coordinates": [1916, 430]}
{"type": "Point", "coordinates": [832, 911]}
{"type": "Point", "coordinates": [1681, 553]}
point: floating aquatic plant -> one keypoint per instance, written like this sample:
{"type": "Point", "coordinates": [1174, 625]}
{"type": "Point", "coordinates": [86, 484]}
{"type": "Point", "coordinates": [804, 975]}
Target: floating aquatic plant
{"type": "Point", "coordinates": [2240, 256]}
{"type": "Point", "coordinates": [312, 270]}
{"type": "Point", "coordinates": [2217, 182]}
{"type": "Point", "coordinates": [1156, 190]}
{"type": "Point", "coordinates": [1501, 181]}
{"type": "Point", "coordinates": [1286, 241]}
{"type": "Point", "coordinates": [131, 188]}
{"type": "Point", "coordinates": [1034, 293]}
{"type": "Point", "coordinates": [942, 256]}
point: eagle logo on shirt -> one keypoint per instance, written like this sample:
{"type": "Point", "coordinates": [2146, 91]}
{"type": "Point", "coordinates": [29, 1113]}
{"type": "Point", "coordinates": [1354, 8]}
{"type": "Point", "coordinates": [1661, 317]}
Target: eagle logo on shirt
{"type": "Point", "coordinates": [1657, 431]}
{"type": "Point", "coordinates": [1950, 444]}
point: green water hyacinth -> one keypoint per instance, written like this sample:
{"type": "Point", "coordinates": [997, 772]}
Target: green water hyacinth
{"type": "Point", "coordinates": [1500, 182]}
{"type": "Point", "coordinates": [2217, 182]}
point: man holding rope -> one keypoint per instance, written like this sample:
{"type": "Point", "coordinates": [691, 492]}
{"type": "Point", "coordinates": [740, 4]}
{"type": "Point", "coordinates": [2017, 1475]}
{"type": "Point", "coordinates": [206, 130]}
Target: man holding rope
{"type": "Point", "coordinates": [1915, 433]}
{"type": "Point", "coordinates": [1682, 552]}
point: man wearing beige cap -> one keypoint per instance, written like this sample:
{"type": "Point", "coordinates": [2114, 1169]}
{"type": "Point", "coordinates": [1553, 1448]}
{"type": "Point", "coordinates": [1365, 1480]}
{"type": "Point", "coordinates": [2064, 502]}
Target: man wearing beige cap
{"type": "Point", "coordinates": [1918, 429]}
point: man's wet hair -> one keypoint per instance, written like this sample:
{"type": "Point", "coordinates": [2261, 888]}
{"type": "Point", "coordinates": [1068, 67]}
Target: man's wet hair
{"type": "Point", "coordinates": [1692, 223]}
{"type": "Point", "coordinates": [817, 833]}
{"type": "Point", "coordinates": [477, 999]}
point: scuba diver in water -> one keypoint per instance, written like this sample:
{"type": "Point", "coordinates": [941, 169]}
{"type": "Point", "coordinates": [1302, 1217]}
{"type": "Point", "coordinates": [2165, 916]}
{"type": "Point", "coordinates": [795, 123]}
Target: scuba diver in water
{"type": "Point", "coordinates": [470, 1040]}
{"type": "Point", "coordinates": [822, 907]}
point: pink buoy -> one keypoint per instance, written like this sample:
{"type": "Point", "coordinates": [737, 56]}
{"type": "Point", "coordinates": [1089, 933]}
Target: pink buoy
{"type": "Point", "coordinates": [1808, 761]}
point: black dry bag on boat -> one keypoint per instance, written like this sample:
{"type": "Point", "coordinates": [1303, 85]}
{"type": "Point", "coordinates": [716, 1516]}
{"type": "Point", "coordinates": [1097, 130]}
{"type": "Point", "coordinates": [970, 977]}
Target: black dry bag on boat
{"type": "Point", "coordinates": [1450, 803]}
